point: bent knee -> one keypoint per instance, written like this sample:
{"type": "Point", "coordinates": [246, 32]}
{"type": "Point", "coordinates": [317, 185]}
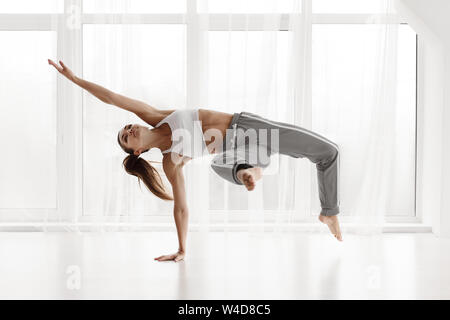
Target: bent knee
{"type": "Point", "coordinates": [330, 158]}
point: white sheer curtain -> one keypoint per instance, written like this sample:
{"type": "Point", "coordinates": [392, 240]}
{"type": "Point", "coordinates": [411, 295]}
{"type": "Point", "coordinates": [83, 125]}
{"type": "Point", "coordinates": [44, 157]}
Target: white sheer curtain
{"type": "Point", "coordinates": [257, 63]}
{"type": "Point", "coordinates": [238, 56]}
{"type": "Point", "coordinates": [270, 65]}
{"type": "Point", "coordinates": [268, 57]}
{"type": "Point", "coordinates": [362, 115]}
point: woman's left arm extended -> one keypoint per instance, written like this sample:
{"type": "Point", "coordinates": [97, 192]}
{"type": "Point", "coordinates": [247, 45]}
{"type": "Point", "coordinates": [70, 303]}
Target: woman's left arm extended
{"type": "Point", "coordinates": [140, 108]}
{"type": "Point", "coordinates": [174, 173]}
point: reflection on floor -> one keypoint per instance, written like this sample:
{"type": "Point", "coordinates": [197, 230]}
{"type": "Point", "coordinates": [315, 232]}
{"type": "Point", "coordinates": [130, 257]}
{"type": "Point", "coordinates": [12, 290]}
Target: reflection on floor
{"type": "Point", "coordinates": [230, 265]}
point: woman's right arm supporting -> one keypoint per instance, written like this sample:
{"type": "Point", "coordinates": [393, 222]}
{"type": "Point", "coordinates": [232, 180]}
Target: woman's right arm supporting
{"type": "Point", "coordinates": [174, 173]}
{"type": "Point", "coordinates": [144, 111]}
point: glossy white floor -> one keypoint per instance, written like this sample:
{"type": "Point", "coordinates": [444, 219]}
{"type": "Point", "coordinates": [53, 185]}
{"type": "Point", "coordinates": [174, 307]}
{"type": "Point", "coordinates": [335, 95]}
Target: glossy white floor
{"type": "Point", "coordinates": [232, 265]}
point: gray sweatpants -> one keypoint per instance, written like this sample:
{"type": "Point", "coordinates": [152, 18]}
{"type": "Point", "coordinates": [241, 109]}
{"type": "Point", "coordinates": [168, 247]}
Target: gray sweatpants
{"type": "Point", "coordinates": [251, 140]}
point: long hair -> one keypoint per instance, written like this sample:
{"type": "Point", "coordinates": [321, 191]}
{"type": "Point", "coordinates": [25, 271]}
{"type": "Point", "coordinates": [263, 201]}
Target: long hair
{"type": "Point", "coordinates": [146, 173]}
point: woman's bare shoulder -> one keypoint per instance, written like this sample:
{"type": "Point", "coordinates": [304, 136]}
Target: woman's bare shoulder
{"type": "Point", "coordinates": [154, 117]}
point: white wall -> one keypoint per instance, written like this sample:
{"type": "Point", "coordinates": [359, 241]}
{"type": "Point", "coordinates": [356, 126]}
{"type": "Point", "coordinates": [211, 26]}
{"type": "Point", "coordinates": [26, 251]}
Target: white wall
{"type": "Point", "coordinates": [430, 20]}
{"type": "Point", "coordinates": [435, 14]}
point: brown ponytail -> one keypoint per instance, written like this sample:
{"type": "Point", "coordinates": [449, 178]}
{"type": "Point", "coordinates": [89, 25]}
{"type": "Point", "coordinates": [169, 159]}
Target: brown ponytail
{"type": "Point", "coordinates": [142, 169]}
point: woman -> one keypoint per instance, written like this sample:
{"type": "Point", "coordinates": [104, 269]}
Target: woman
{"type": "Point", "coordinates": [239, 160]}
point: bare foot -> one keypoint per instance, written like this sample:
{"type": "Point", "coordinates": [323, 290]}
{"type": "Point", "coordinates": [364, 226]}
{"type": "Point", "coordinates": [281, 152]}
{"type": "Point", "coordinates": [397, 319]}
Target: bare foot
{"type": "Point", "coordinates": [333, 224]}
{"type": "Point", "coordinates": [249, 177]}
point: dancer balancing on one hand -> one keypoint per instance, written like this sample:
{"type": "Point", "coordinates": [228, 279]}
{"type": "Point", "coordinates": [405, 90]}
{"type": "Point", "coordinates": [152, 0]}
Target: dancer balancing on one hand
{"type": "Point", "coordinates": [204, 132]}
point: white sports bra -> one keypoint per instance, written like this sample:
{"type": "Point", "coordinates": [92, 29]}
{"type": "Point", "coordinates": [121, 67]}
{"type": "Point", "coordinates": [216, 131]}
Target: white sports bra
{"type": "Point", "coordinates": [187, 134]}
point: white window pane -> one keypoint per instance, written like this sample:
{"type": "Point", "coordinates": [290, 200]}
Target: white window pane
{"type": "Point", "coordinates": [404, 179]}
{"type": "Point", "coordinates": [145, 62]}
{"type": "Point", "coordinates": [134, 6]}
{"type": "Point", "coordinates": [344, 71]}
{"type": "Point", "coordinates": [238, 82]}
{"type": "Point", "coordinates": [249, 6]}
{"type": "Point", "coordinates": [235, 60]}
{"type": "Point", "coordinates": [32, 6]}
{"type": "Point", "coordinates": [28, 120]}
{"type": "Point", "coordinates": [350, 6]}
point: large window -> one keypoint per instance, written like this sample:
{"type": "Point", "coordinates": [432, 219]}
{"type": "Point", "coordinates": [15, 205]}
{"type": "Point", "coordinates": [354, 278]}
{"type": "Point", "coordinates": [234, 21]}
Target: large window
{"type": "Point", "coordinates": [28, 117]}
{"type": "Point", "coordinates": [243, 81]}
{"type": "Point", "coordinates": [161, 32]}
{"type": "Point", "coordinates": [154, 71]}
{"type": "Point", "coordinates": [344, 57]}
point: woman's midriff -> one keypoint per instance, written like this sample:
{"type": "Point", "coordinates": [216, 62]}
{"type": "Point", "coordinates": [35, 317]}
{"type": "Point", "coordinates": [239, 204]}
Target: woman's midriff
{"type": "Point", "coordinates": [214, 120]}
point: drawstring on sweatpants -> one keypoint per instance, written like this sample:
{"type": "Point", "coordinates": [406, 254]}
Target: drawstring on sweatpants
{"type": "Point", "coordinates": [234, 136]}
